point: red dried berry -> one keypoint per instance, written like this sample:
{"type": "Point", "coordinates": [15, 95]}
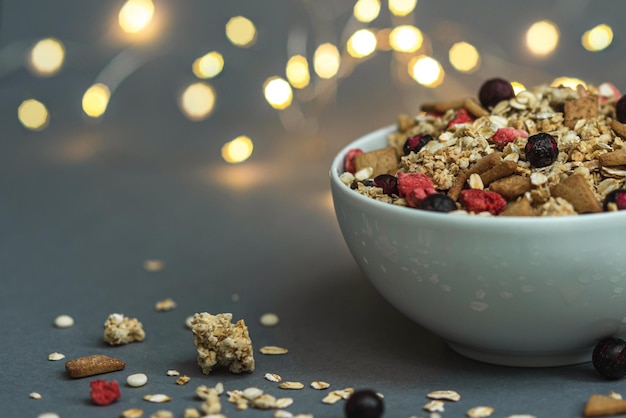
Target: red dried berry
{"type": "Point", "coordinates": [618, 197]}
{"type": "Point", "coordinates": [349, 164]}
{"type": "Point", "coordinates": [475, 200]}
{"type": "Point", "coordinates": [416, 143]}
{"type": "Point", "coordinates": [505, 135]}
{"type": "Point", "coordinates": [620, 109]}
{"type": "Point", "coordinates": [609, 358]}
{"type": "Point", "coordinates": [388, 183]}
{"type": "Point", "coordinates": [414, 187]}
{"type": "Point", "coordinates": [495, 90]}
{"type": "Point", "coordinates": [462, 116]}
{"type": "Point", "coordinates": [103, 393]}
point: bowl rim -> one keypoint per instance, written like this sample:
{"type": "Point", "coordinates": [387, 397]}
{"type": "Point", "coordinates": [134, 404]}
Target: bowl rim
{"type": "Point", "coordinates": [428, 216]}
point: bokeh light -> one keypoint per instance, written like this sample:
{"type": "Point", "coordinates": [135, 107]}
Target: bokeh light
{"type": "Point", "coordinates": [426, 70]}
{"type": "Point", "coordinates": [326, 61]}
{"type": "Point", "coordinates": [241, 31]}
{"type": "Point", "coordinates": [406, 38]}
{"type": "Point", "coordinates": [208, 65]}
{"type": "Point", "coordinates": [278, 92]}
{"type": "Point", "coordinates": [237, 150]}
{"type": "Point", "coordinates": [598, 38]}
{"type": "Point", "coordinates": [297, 71]}
{"type": "Point", "coordinates": [542, 38]}
{"type": "Point", "coordinates": [136, 15]}
{"type": "Point", "coordinates": [96, 100]}
{"type": "Point", "coordinates": [361, 44]}
{"type": "Point", "coordinates": [366, 10]}
{"type": "Point", "coordinates": [197, 101]}
{"type": "Point", "coordinates": [33, 114]}
{"type": "Point", "coordinates": [464, 57]}
{"type": "Point", "coordinates": [402, 7]}
{"type": "Point", "coordinates": [47, 56]}
{"type": "Point", "coordinates": [571, 82]}
{"type": "Point", "coordinates": [518, 87]}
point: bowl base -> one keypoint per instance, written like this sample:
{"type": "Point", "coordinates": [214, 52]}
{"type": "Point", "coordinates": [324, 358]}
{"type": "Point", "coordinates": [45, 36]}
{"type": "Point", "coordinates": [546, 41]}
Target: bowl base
{"type": "Point", "coordinates": [524, 360]}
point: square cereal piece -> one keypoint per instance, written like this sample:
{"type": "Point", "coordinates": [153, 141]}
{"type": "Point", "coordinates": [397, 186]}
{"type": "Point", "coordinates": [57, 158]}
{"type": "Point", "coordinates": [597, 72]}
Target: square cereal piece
{"type": "Point", "coordinates": [582, 108]}
{"type": "Point", "coordinates": [382, 161]}
{"type": "Point", "coordinates": [578, 193]}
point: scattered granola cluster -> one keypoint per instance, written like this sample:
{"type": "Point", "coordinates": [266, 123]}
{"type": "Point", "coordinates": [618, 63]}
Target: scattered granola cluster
{"type": "Point", "coordinates": [120, 329]}
{"type": "Point", "coordinates": [541, 152]}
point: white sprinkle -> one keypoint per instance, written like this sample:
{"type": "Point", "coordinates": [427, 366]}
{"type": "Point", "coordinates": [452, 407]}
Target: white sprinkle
{"type": "Point", "coordinates": [63, 321]}
{"type": "Point", "coordinates": [137, 380]}
{"type": "Point", "coordinates": [56, 356]}
{"type": "Point", "coordinates": [269, 319]}
{"type": "Point", "coordinates": [35, 395]}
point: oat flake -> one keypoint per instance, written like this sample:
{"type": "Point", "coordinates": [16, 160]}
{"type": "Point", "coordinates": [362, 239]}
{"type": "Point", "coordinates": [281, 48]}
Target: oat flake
{"type": "Point", "coordinates": [269, 319]}
{"type": "Point", "coordinates": [434, 406]}
{"type": "Point", "coordinates": [157, 398]}
{"type": "Point", "coordinates": [273, 350]}
{"type": "Point", "coordinates": [480, 412]}
{"type": "Point", "coordinates": [132, 413]}
{"type": "Point", "coordinates": [319, 385]}
{"type": "Point", "coordinates": [291, 385]}
{"type": "Point", "coordinates": [273, 377]}
{"type": "Point", "coordinates": [448, 395]}
{"type": "Point", "coordinates": [35, 395]}
{"type": "Point", "coordinates": [56, 356]}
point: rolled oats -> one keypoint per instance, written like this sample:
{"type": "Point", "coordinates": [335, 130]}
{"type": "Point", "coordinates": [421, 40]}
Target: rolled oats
{"type": "Point", "coordinates": [273, 377]}
{"type": "Point", "coordinates": [35, 395]}
{"type": "Point", "coordinates": [291, 385]}
{"type": "Point", "coordinates": [319, 385]}
{"type": "Point", "coordinates": [162, 414]}
{"type": "Point", "coordinates": [132, 413]}
{"type": "Point", "coordinates": [172, 372]}
{"type": "Point", "coordinates": [480, 412]}
{"type": "Point", "coordinates": [273, 350]}
{"type": "Point", "coordinates": [283, 403]}
{"type": "Point", "coordinates": [63, 321]}
{"type": "Point", "coordinates": [269, 319]}
{"type": "Point", "coordinates": [56, 356]}
{"type": "Point", "coordinates": [183, 380]}
{"type": "Point", "coordinates": [157, 398]}
{"type": "Point", "coordinates": [165, 305]}
{"type": "Point", "coordinates": [434, 406]}
{"type": "Point", "coordinates": [448, 395]}
{"type": "Point", "coordinates": [283, 414]}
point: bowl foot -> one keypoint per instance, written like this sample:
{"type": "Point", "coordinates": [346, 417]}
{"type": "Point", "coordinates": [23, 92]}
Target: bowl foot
{"type": "Point", "coordinates": [524, 359]}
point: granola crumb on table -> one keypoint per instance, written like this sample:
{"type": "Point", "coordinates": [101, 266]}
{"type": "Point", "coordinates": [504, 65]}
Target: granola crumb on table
{"type": "Point", "coordinates": [120, 329]}
{"type": "Point", "coordinates": [546, 151]}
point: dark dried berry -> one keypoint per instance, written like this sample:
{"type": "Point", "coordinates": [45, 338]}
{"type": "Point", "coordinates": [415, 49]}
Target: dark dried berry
{"type": "Point", "coordinates": [616, 196]}
{"type": "Point", "coordinates": [620, 109]}
{"type": "Point", "coordinates": [364, 403]}
{"type": "Point", "coordinates": [415, 143]}
{"type": "Point", "coordinates": [388, 183]}
{"type": "Point", "coordinates": [541, 150]}
{"type": "Point", "coordinates": [609, 358]}
{"type": "Point", "coordinates": [495, 90]}
{"type": "Point", "coordinates": [437, 202]}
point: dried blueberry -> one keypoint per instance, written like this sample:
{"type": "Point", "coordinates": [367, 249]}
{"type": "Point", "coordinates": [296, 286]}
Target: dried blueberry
{"type": "Point", "coordinates": [364, 403]}
{"type": "Point", "coordinates": [616, 196]}
{"type": "Point", "coordinates": [495, 90]}
{"type": "Point", "coordinates": [620, 109]}
{"type": "Point", "coordinates": [388, 183]}
{"type": "Point", "coordinates": [541, 150]}
{"type": "Point", "coordinates": [415, 143]}
{"type": "Point", "coordinates": [437, 202]}
{"type": "Point", "coordinates": [609, 358]}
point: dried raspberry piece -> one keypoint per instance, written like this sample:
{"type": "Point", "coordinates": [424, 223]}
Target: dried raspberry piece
{"type": "Point", "coordinates": [607, 92]}
{"type": "Point", "coordinates": [475, 200]}
{"type": "Point", "coordinates": [462, 116]}
{"type": "Point", "coordinates": [505, 135]}
{"type": "Point", "coordinates": [103, 393]}
{"type": "Point", "coordinates": [414, 187]}
{"type": "Point", "coordinates": [349, 164]}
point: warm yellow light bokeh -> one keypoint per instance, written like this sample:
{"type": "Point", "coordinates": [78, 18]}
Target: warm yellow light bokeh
{"type": "Point", "coordinates": [517, 87]}
{"type": "Point", "coordinates": [598, 38]}
{"type": "Point", "coordinates": [297, 71]}
{"type": "Point", "coordinates": [402, 7]}
{"type": "Point", "coordinates": [542, 38]}
{"type": "Point", "coordinates": [406, 38]}
{"type": "Point", "coordinates": [366, 10]}
{"type": "Point", "coordinates": [326, 60]}
{"type": "Point", "coordinates": [571, 82]}
{"type": "Point", "coordinates": [47, 56]}
{"type": "Point", "coordinates": [278, 92]}
{"type": "Point", "coordinates": [237, 150]}
{"type": "Point", "coordinates": [96, 100]}
{"type": "Point", "coordinates": [427, 71]}
{"type": "Point", "coordinates": [197, 101]}
{"type": "Point", "coordinates": [241, 31]}
{"type": "Point", "coordinates": [361, 44]}
{"type": "Point", "coordinates": [136, 15]}
{"type": "Point", "coordinates": [33, 114]}
{"type": "Point", "coordinates": [208, 65]}
{"type": "Point", "coordinates": [464, 57]}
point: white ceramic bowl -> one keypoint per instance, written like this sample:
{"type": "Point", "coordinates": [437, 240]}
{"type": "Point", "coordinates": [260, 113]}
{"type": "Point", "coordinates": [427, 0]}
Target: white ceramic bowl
{"type": "Point", "coordinates": [505, 290]}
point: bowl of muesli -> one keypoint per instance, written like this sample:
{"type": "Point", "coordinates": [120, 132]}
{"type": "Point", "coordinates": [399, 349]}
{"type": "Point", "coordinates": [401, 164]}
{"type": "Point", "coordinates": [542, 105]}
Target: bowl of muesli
{"type": "Point", "coordinates": [496, 222]}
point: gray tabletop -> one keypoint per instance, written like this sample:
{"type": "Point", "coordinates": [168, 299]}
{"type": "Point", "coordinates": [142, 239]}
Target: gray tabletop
{"type": "Point", "coordinates": [84, 203]}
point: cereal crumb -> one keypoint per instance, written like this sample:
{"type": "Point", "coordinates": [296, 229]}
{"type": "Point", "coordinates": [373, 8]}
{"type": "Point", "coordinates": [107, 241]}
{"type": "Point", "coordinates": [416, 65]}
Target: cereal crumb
{"type": "Point", "coordinates": [448, 395]}
{"type": "Point", "coordinates": [319, 385]}
{"type": "Point", "coordinates": [165, 305]}
{"type": "Point", "coordinates": [191, 413]}
{"type": "Point", "coordinates": [269, 319]}
{"type": "Point", "coordinates": [63, 321]}
{"type": "Point", "coordinates": [283, 402]}
{"type": "Point", "coordinates": [291, 385]}
{"type": "Point", "coordinates": [273, 377]}
{"type": "Point", "coordinates": [283, 414]}
{"type": "Point", "coordinates": [93, 365]}
{"type": "Point", "coordinates": [162, 414]}
{"type": "Point", "coordinates": [183, 380]}
{"type": "Point", "coordinates": [480, 412]}
{"type": "Point", "coordinates": [157, 398]}
{"type": "Point", "coordinates": [153, 265]}
{"type": "Point", "coordinates": [235, 297]}
{"type": "Point", "coordinates": [188, 321]}
{"type": "Point", "coordinates": [273, 350]}
{"type": "Point", "coordinates": [35, 395]}
{"type": "Point", "coordinates": [119, 329]}
{"type": "Point", "coordinates": [434, 406]}
{"type": "Point", "coordinates": [219, 342]}
{"type": "Point", "coordinates": [172, 372]}
{"type": "Point", "coordinates": [56, 356]}
{"type": "Point", "coordinates": [132, 413]}
{"type": "Point", "coordinates": [48, 415]}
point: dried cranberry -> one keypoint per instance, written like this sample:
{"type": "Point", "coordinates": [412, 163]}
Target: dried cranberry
{"type": "Point", "coordinates": [437, 202]}
{"type": "Point", "coordinates": [462, 116]}
{"type": "Point", "coordinates": [620, 109]}
{"type": "Point", "coordinates": [541, 150]}
{"type": "Point", "coordinates": [616, 196]}
{"type": "Point", "coordinates": [609, 358]}
{"type": "Point", "coordinates": [364, 403]}
{"type": "Point", "coordinates": [477, 201]}
{"type": "Point", "coordinates": [505, 135]}
{"type": "Point", "coordinates": [416, 143]}
{"type": "Point", "coordinates": [388, 183]}
{"type": "Point", "coordinates": [495, 90]}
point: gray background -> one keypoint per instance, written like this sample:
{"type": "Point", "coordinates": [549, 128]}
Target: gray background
{"type": "Point", "coordinates": [83, 203]}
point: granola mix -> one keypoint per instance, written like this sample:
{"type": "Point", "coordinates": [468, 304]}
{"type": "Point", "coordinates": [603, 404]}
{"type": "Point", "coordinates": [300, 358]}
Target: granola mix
{"type": "Point", "coordinates": [461, 146]}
